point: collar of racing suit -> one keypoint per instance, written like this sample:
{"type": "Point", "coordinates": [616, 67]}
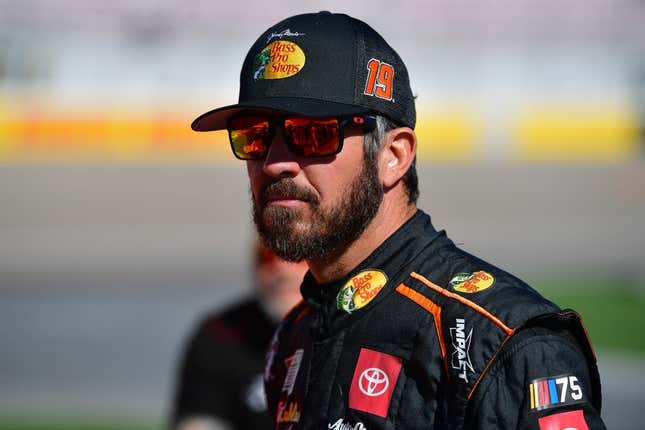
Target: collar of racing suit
{"type": "Point", "coordinates": [390, 257]}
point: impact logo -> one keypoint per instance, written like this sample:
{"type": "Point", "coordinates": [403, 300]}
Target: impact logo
{"type": "Point", "coordinates": [557, 391]}
{"type": "Point", "coordinates": [360, 290]}
{"type": "Point", "coordinates": [278, 60]}
{"type": "Point", "coordinates": [472, 282]}
{"type": "Point", "coordinates": [461, 349]}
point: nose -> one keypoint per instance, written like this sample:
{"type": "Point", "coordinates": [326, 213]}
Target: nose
{"type": "Point", "coordinates": [280, 161]}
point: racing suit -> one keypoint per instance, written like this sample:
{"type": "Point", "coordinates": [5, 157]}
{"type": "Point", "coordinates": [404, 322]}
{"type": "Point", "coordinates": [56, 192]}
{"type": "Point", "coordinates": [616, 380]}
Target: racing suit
{"type": "Point", "coordinates": [422, 335]}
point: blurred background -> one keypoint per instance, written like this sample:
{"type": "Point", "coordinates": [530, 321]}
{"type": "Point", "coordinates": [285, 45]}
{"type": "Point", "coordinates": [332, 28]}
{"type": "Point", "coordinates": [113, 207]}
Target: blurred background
{"type": "Point", "coordinates": [119, 226]}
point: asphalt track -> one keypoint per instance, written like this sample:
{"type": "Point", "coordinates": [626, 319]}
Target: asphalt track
{"type": "Point", "coordinates": [104, 268]}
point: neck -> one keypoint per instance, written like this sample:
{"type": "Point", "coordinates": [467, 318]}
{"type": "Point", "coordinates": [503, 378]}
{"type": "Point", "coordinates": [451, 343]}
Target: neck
{"type": "Point", "coordinates": [388, 219]}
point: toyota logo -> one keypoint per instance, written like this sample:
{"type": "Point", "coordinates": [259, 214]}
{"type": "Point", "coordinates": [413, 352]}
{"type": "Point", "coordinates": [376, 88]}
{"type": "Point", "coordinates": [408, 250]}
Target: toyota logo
{"type": "Point", "coordinates": [373, 382]}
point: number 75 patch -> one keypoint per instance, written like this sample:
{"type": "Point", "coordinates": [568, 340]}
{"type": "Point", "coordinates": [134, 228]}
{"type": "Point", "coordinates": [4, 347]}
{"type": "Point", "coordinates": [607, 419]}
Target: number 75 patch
{"type": "Point", "coordinates": [555, 391]}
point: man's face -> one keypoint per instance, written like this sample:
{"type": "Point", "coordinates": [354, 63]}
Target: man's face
{"type": "Point", "coordinates": [308, 208]}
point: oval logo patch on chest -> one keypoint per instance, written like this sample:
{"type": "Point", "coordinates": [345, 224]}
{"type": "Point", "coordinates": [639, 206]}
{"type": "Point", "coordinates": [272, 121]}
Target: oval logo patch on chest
{"type": "Point", "coordinates": [360, 290]}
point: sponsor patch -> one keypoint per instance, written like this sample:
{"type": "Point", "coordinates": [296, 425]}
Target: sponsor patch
{"type": "Point", "coordinates": [342, 425]}
{"type": "Point", "coordinates": [572, 420]}
{"type": "Point", "coordinates": [472, 282]}
{"type": "Point", "coordinates": [360, 290]}
{"type": "Point", "coordinates": [293, 366]}
{"type": "Point", "coordinates": [556, 391]}
{"type": "Point", "coordinates": [288, 413]}
{"type": "Point", "coordinates": [461, 349]}
{"type": "Point", "coordinates": [278, 60]}
{"type": "Point", "coordinates": [373, 383]}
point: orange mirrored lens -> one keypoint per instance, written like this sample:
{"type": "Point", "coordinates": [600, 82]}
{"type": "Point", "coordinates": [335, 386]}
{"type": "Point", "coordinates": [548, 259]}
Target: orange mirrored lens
{"type": "Point", "coordinates": [249, 137]}
{"type": "Point", "coordinates": [312, 136]}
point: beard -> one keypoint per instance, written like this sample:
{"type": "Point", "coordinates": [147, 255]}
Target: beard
{"type": "Point", "coordinates": [294, 237]}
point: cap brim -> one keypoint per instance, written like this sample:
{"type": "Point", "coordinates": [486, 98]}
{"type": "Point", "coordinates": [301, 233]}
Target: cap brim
{"type": "Point", "coordinates": [217, 119]}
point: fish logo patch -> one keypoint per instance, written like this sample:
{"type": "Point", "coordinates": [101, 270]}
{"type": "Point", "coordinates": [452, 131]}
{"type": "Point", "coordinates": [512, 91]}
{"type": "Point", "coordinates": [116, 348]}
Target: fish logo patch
{"type": "Point", "coordinates": [278, 60]}
{"type": "Point", "coordinates": [472, 282]}
{"type": "Point", "coordinates": [360, 290]}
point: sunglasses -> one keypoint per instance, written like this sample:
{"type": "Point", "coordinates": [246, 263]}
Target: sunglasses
{"type": "Point", "coordinates": [251, 134]}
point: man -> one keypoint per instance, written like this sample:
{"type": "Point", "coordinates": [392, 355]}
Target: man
{"type": "Point", "coordinates": [220, 378]}
{"type": "Point", "coordinates": [399, 328]}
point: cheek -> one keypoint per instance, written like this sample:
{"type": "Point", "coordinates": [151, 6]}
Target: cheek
{"type": "Point", "coordinates": [334, 180]}
{"type": "Point", "coordinates": [254, 172]}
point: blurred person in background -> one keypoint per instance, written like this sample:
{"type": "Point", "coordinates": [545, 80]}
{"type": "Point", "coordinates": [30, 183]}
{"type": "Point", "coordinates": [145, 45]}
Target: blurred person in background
{"type": "Point", "coordinates": [220, 378]}
{"type": "Point", "coordinates": [399, 328]}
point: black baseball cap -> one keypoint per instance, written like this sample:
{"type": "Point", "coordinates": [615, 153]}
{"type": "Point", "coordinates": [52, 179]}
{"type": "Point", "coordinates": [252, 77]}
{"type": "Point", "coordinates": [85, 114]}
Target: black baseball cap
{"type": "Point", "coordinates": [320, 64]}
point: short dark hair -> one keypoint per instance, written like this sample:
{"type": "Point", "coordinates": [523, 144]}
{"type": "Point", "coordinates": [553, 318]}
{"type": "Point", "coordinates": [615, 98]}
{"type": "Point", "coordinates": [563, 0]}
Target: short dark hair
{"type": "Point", "coordinates": [372, 146]}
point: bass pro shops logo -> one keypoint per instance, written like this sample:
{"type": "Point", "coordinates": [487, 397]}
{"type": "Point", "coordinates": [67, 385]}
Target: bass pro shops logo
{"type": "Point", "coordinates": [360, 290]}
{"type": "Point", "coordinates": [461, 349]}
{"type": "Point", "coordinates": [278, 60]}
{"type": "Point", "coordinates": [472, 282]}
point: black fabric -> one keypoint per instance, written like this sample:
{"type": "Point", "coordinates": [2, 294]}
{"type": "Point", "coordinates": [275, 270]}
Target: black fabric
{"type": "Point", "coordinates": [421, 307]}
{"type": "Point", "coordinates": [222, 366]}
{"type": "Point", "coordinates": [332, 79]}
{"type": "Point", "coordinates": [504, 386]}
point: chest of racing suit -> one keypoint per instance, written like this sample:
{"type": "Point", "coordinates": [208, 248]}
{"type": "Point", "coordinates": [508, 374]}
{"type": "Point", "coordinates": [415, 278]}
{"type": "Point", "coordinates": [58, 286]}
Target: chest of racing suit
{"type": "Point", "coordinates": [422, 335]}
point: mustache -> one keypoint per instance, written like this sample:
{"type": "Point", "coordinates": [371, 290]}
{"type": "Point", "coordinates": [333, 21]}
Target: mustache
{"type": "Point", "coordinates": [287, 188]}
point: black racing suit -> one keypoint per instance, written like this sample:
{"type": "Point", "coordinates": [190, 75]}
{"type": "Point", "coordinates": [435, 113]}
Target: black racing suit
{"type": "Point", "coordinates": [220, 375]}
{"type": "Point", "coordinates": [422, 335]}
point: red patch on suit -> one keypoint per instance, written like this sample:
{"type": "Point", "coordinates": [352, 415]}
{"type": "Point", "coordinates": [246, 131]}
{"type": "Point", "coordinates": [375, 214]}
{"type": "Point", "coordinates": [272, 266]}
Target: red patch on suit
{"type": "Point", "coordinates": [573, 420]}
{"type": "Point", "coordinates": [373, 383]}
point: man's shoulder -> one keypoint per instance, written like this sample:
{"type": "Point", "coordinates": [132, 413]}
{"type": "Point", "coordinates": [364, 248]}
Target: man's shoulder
{"type": "Point", "coordinates": [462, 282]}
{"type": "Point", "coordinates": [480, 310]}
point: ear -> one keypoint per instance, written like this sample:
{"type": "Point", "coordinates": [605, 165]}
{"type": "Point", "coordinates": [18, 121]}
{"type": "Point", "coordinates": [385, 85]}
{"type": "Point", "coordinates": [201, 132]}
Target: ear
{"type": "Point", "coordinates": [397, 153]}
